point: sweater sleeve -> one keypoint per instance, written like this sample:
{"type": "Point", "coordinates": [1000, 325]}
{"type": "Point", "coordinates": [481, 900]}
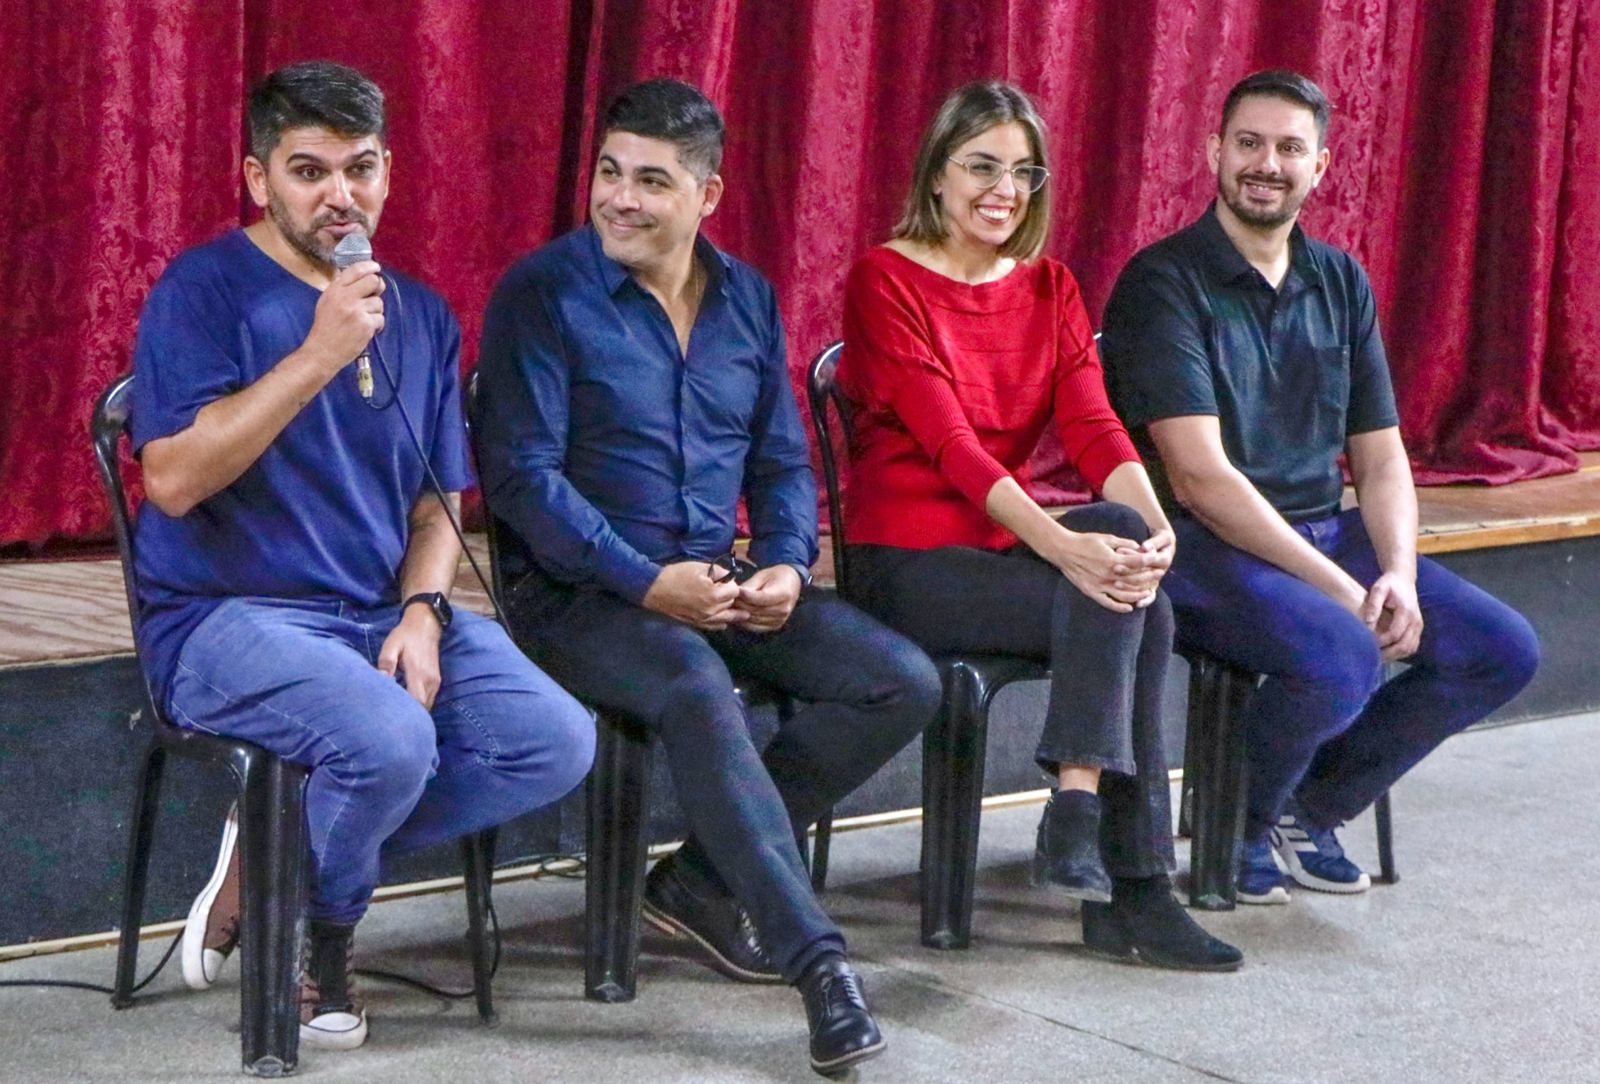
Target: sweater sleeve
{"type": "Point", "coordinates": [1094, 438]}
{"type": "Point", "coordinates": [894, 368]}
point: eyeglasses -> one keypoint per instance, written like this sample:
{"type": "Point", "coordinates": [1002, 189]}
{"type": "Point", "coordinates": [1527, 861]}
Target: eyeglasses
{"type": "Point", "coordinates": [987, 172]}
{"type": "Point", "coordinates": [730, 569]}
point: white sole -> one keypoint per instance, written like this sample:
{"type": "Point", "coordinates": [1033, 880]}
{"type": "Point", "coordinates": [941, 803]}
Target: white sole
{"type": "Point", "coordinates": [192, 953]}
{"type": "Point", "coordinates": [345, 1039]}
{"type": "Point", "coordinates": [1305, 879]}
{"type": "Point", "coordinates": [1275, 898]}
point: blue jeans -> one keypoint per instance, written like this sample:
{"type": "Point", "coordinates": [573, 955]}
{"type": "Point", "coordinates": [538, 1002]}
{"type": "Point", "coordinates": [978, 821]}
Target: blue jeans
{"type": "Point", "coordinates": [300, 679]}
{"type": "Point", "coordinates": [1324, 726]}
{"type": "Point", "coordinates": [864, 690]}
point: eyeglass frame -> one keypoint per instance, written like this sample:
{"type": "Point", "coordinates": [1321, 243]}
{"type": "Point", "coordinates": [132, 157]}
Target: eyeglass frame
{"type": "Point", "coordinates": [734, 569]}
{"type": "Point", "coordinates": [1042, 172]}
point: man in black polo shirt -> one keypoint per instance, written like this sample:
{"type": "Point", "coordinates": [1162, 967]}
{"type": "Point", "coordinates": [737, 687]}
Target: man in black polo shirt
{"type": "Point", "coordinates": [1245, 357]}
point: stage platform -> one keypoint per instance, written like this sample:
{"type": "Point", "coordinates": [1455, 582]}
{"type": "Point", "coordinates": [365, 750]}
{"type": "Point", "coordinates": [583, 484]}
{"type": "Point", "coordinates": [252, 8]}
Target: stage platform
{"type": "Point", "coordinates": [70, 736]}
{"type": "Point", "coordinates": [61, 611]}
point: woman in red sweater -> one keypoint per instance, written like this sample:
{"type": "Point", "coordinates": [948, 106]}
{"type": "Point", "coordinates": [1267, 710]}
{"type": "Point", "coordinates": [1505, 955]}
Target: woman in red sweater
{"type": "Point", "coordinates": [962, 344]}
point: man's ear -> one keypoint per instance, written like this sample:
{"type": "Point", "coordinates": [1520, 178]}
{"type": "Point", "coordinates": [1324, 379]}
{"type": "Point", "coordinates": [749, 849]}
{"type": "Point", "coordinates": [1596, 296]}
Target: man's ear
{"type": "Point", "coordinates": [713, 194]}
{"type": "Point", "coordinates": [255, 179]}
{"type": "Point", "coordinates": [1214, 152]}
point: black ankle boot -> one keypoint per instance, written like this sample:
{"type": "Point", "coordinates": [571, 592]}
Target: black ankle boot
{"type": "Point", "coordinates": [1144, 924]}
{"type": "Point", "coordinates": [843, 1031]}
{"type": "Point", "coordinates": [1067, 853]}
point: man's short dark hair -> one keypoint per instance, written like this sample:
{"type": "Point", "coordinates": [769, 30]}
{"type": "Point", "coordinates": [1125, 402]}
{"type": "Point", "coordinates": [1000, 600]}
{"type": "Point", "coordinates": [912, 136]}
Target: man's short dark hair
{"type": "Point", "coordinates": [675, 112]}
{"type": "Point", "coordinates": [1285, 84]}
{"type": "Point", "coordinates": [314, 93]}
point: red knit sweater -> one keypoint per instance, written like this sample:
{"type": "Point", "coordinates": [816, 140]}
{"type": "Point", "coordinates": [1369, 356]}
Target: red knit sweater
{"type": "Point", "coordinates": [954, 384]}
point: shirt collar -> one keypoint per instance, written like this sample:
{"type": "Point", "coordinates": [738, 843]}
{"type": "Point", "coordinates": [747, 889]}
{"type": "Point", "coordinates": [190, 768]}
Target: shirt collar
{"type": "Point", "coordinates": [1226, 264]}
{"type": "Point", "coordinates": [615, 276]}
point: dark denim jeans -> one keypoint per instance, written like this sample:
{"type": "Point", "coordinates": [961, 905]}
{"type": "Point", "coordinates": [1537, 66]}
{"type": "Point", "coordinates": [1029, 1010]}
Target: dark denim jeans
{"type": "Point", "coordinates": [1107, 670]}
{"type": "Point", "coordinates": [300, 679]}
{"type": "Point", "coordinates": [866, 692]}
{"type": "Point", "coordinates": [1324, 726]}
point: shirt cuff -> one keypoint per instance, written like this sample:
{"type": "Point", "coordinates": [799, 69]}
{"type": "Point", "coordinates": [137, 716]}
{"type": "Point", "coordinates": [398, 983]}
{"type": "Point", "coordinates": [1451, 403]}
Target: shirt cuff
{"type": "Point", "coordinates": [1105, 454]}
{"type": "Point", "coordinates": [782, 549]}
{"type": "Point", "coordinates": [629, 576]}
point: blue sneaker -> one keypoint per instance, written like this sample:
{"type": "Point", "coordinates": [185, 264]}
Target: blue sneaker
{"type": "Point", "coordinates": [1313, 856]}
{"type": "Point", "coordinates": [1260, 880]}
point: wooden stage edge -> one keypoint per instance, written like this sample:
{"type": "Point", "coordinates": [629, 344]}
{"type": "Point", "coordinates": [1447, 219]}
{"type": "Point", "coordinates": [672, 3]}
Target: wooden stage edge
{"type": "Point", "coordinates": [60, 611]}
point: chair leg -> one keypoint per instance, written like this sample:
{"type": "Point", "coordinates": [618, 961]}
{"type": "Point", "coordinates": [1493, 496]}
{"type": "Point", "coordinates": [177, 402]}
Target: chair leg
{"type": "Point", "coordinates": [1217, 695]}
{"type": "Point", "coordinates": [1385, 820]}
{"type": "Point", "coordinates": [477, 853]}
{"type": "Point", "coordinates": [821, 841]}
{"type": "Point", "coordinates": [135, 876]}
{"type": "Point", "coordinates": [953, 751]}
{"type": "Point", "coordinates": [272, 841]}
{"type": "Point", "coordinates": [617, 849]}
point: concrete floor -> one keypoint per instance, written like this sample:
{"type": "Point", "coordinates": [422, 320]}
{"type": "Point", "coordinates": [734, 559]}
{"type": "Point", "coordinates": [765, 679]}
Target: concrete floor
{"type": "Point", "coordinates": [1481, 965]}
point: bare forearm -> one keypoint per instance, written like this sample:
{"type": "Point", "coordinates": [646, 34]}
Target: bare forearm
{"type": "Point", "coordinates": [1009, 505]}
{"type": "Point", "coordinates": [1129, 484]}
{"type": "Point", "coordinates": [1236, 512]}
{"type": "Point", "coordinates": [433, 552]}
{"type": "Point", "coordinates": [1389, 512]}
{"type": "Point", "coordinates": [230, 434]}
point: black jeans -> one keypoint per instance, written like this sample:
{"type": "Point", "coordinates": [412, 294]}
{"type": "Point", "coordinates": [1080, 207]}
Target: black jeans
{"type": "Point", "coordinates": [866, 692]}
{"type": "Point", "coordinates": [1107, 670]}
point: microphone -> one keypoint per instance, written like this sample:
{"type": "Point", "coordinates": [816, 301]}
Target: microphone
{"type": "Point", "coordinates": [352, 249]}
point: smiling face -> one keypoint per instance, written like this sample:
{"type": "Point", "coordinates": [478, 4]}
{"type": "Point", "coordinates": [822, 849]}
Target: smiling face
{"type": "Point", "coordinates": [317, 186]}
{"type": "Point", "coordinates": [1267, 161]}
{"type": "Point", "coordinates": [976, 217]}
{"type": "Point", "coordinates": [646, 204]}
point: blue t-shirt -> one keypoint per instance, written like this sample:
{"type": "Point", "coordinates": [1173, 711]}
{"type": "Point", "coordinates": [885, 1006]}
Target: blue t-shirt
{"type": "Point", "coordinates": [323, 514]}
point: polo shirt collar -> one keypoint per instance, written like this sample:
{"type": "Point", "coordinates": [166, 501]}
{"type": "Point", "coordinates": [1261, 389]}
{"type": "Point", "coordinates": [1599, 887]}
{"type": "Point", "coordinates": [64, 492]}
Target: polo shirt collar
{"type": "Point", "coordinates": [1227, 265]}
{"type": "Point", "coordinates": [614, 276]}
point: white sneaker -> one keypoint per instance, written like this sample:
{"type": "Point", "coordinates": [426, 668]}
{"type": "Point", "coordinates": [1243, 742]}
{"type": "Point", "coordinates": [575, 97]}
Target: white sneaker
{"type": "Point", "coordinates": [212, 929]}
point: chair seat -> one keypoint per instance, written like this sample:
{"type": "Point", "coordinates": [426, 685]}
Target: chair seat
{"type": "Point", "coordinates": [994, 671]}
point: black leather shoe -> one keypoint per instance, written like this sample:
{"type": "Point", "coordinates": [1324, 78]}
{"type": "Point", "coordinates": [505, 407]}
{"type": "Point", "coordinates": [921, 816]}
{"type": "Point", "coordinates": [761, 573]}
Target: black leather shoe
{"type": "Point", "coordinates": [1067, 852]}
{"type": "Point", "coordinates": [843, 1031]}
{"type": "Point", "coordinates": [714, 922]}
{"type": "Point", "coordinates": [1144, 924]}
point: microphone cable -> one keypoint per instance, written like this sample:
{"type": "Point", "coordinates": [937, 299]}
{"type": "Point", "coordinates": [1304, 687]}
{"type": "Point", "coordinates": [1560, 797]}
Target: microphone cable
{"type": "Point", "coordinates": [416, 443]}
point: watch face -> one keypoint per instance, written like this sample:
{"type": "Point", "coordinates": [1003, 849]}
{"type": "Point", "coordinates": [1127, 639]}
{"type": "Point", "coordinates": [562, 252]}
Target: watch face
{"type": "Point", "coordinates": [441, 606]}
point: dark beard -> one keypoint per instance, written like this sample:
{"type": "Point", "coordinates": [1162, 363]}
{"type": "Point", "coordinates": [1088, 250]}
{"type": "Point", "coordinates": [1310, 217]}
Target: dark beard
{"type": "Point", "coordinates": [306, 241]}
{"type": "Point", "coordinates": [1261, 220]}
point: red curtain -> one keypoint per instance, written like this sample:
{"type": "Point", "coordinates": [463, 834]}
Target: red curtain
{"type": "Point", "coordinates": [1465, 170]}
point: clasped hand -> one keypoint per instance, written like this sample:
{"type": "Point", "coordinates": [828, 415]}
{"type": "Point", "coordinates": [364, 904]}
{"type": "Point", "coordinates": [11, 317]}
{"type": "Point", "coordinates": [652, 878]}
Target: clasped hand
{"type": "Point", "coordinates": [690, 591]}
{"type": "Point", "coordinates": [1120, 574]}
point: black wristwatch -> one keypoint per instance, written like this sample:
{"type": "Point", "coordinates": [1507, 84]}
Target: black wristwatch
{"type": "Point", "coordinates": [436, 602]}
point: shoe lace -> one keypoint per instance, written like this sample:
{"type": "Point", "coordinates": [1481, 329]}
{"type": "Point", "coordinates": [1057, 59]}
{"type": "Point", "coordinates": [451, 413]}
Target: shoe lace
{"type": "Point", "coordinates": [842, 992]}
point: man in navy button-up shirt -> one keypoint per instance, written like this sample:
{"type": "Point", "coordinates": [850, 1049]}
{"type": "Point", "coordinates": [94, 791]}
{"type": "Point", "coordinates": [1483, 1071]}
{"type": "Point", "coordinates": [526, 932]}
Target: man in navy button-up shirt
{"type": "Point", "coordinates": [633, 387]}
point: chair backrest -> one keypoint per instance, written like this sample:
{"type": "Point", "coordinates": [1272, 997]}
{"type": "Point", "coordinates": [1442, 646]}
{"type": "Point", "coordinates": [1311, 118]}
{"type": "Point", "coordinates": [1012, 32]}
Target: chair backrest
{"type": "Point", "coordinates": [822, 391]}
{"type": "Point", "coordinates": [493, 530]}
{"type": "Point", "coordinates": [106, 429]}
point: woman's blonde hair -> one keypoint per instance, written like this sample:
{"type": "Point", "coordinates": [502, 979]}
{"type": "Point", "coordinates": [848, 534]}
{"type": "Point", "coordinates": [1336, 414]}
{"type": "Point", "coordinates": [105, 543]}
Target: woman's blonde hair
{"type": "Point", "coordinates": [968, 112]}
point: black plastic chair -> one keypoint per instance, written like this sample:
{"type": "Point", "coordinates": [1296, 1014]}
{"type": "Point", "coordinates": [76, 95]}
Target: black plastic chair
{"type": "Point", "coordinates": [272, 842]}
{"type": "Point", "coordinates": [955, 744]}
{"type": "Point", "coordinates": [1211, 809]}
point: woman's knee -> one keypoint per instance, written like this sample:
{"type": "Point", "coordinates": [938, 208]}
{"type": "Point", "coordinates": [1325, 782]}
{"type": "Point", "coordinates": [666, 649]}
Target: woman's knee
{"type": "Point", "coordinates": [1108, 517]}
